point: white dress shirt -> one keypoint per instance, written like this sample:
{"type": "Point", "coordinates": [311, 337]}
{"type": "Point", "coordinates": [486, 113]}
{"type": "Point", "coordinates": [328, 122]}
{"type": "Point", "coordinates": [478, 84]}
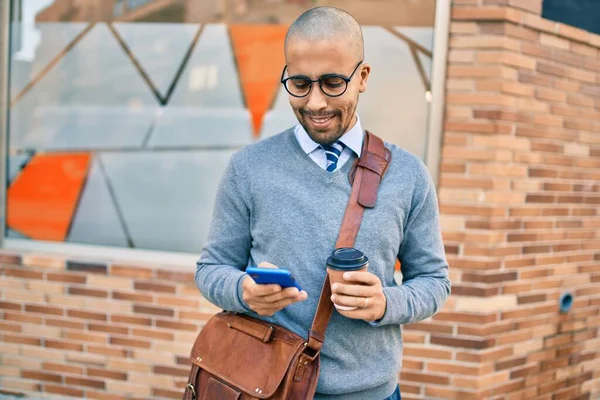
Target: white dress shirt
{"type": "Point", "coordinates": [352, 139]}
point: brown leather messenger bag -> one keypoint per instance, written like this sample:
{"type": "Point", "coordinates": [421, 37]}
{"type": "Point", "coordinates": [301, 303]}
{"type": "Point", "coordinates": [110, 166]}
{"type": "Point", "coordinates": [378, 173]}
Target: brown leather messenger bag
{"type": "Point", "coordinates": [239, 357]}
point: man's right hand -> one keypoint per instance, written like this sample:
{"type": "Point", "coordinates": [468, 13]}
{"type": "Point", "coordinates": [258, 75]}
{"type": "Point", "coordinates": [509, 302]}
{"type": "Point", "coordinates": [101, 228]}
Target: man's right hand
{"type": "Point", "coordinates": [266, 300]}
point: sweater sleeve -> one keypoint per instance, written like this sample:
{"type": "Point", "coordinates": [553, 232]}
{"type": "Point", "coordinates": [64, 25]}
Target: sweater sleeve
{"type": "Point", "coordinates": [425, 284]}
{"type": "Point", "coordinates": [220, 269]}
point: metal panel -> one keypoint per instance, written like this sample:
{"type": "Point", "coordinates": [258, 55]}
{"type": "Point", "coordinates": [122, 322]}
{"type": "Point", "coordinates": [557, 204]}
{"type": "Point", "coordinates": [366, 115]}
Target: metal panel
{"type": "Point", "coordinates": [394, 105]}
{"type": "Point", "coordinates": [159, 48]}
{"type": "Point", "coordinates": [4, 74]}
{"type": "Point", "coordinates": [438, 83]}
{"type": "Point", "coordinates": [97, 220]}
{"type": "Point", "coordinates": [166, 197]}
{"type": "Point", "coordinates": [28, 63]}
{"type": "Point", "coordinates": [92, 98]}
{"type": "Point", "coordinates": [206, 108]}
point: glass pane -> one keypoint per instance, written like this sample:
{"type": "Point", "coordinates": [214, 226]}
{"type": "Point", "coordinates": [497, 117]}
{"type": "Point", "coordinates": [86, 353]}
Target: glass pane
{"type": "Point", "coordinates": [124, 113]}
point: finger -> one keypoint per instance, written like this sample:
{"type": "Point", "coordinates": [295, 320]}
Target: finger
{"type": "Point", "coordinates": [353, 290]}
{"type": "Point", "coordinates": [284, 294]}
{"type": "Point", "coordinates": [367, 314]}
{"type": "Point", "coordinates": [280, 305]}
{"type": "Point", "coordinates": [350, 301]}
{"type": "Point", "coordinates": [266, 264]}
{"type": "Point", "coordinates": [260, 290]}
{"type": "Point", "coordinates": [365, 278]}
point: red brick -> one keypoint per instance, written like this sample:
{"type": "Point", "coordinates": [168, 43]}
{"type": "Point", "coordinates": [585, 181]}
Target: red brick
{"type": "Point", "coordinates": [430, 327]}
{"type": "Point", "coordinates": [86, 337]}
{"type": "Point", "coordinates": [21, 339]}
{"type": "Point", "coordinates": [106, 396]}
{"type": "Point", "coordinates": [22, 273]}
{"type": "Point", "coordinates": [93, 383]}
{"type": "Point", "coordinates": [8, 327]}
{"type": "Point", "coordinates": [127, 319]}
{"type": "Point", "coordinates": [490, 278]}
{"type": "Point", "coordinates": [460, 290]}
{"type": "Point", "coordinates": [558, 340]}
{"type": "Point", "coordinates": [462, 342]}
{"type": "Point", "coordinates": [163, 312]}
{"type": "Point", "coordinates": [551, 69]}
{"type": "Point", "coordinates": [66, 278]}
{"type": "Point", "coordinates": [154, 287]}
{"type": "Point", "coordinates": [524, 371]}
{"type": "Point", "coordinates": [174, 371]}
{"type": "Point", "coordinates": [138, 297]}
{"type": "Point", "coordinates": [153, 334]}
{"type": "Point", "coordinates": [130, 342]}
{"type": "Point", "coordinates": [62, 368]}
{"type": "Point", "coordinates": [579, 100]}
{"type": "Point", "coordinates": [87, 315]}
{"type": "Point", "coordinates": [109, 351]}
{"type": "Point", "coordinates": [59, 344]}
{"type": "Point", "coordinates": [108, 328]}
{"type": "Point", "coordinates": [6, 258]}
{"type": "Point", "coordinates": [61, 390]}
{"type": "Point", "coordinates": [103, 373]}
{"type": "Point", "coordinates": [165, 393]}
{"type": "Point", "coordinates": [425, 378]}
{"type": "Point", "coordinates": [188, 363]}
{"type": "Point", "coordinates": [175, 276]}
{"type": "Point", "coordinates": [64, 323]}
{"type": "Point", "coordinates": [470, 318]}
{"type": "Point", "coordinates": [177, 302]}
{"type": "Point", "coordinates": [451, 368]}
{"type": "Point", "coordinates": [531, 298]}
{"type": "Point", "coordinates": [131, 271]}
{"type": "Point", "coordinates": [540, 198]}
{"type": "Point", "coordinates": [77, 291]}
{"type": "Point", "coordinates": [427, 353]}
{"type": "Point", "coordinates": [9, 305]}
{"type": "Point", "coordinates": [40, 376]}
{"type": "Point", "coordinates": [526, 76]}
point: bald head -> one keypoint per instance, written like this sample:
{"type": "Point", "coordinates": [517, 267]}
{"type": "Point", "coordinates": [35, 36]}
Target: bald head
{"type": "Point", "coordinates": [326, 23]}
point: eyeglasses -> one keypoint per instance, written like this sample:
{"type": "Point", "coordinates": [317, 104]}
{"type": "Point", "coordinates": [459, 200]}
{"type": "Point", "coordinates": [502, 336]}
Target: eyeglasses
{"type": "Point", "coordinates": [332, 85]}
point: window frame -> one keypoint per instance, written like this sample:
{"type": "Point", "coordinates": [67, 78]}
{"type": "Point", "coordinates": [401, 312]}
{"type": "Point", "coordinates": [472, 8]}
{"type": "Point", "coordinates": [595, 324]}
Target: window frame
{"type": "Point", "coordinates": [433, 138]}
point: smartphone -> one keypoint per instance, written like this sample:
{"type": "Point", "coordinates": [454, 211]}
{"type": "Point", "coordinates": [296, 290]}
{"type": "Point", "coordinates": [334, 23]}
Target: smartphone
{"type": "Point", "coordinates": [266, 276]}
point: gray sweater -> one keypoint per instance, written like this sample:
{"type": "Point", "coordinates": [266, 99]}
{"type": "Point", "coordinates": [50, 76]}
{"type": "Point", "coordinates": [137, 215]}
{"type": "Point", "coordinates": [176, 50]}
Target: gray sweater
{"type": "Point", "coordinates": [275, 204]}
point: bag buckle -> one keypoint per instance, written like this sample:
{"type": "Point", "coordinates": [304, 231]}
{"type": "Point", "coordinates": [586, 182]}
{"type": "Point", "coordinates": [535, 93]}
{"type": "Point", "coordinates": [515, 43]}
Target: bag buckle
{"type": "Point", "coordinates": [191, 387]}
{"type": "Point", "coordinates": [310, 353]}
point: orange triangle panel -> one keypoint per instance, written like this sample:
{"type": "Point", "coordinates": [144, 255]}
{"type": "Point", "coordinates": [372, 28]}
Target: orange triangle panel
{"type": "Point", "coordinates": [258, 51]}
{"type": "Point", "coordinates": [43, 198]}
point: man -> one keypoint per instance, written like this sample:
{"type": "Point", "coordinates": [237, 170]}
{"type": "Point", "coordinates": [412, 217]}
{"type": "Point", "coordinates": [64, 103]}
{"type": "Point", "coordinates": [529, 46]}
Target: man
{"type": "Point", "coordinates": [280, 205]}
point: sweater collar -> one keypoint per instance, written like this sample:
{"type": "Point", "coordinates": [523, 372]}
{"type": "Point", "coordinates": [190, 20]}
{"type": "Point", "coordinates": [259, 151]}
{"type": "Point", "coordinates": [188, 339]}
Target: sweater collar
{"type": "Point", "coordinates": [352, 139]}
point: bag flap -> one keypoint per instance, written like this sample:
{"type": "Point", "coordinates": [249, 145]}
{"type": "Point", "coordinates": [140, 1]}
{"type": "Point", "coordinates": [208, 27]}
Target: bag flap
{"type": "Point", "coordinates": [237, 350]}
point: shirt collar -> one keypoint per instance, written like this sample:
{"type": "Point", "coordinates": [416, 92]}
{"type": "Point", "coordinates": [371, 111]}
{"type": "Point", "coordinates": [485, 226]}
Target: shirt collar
{"type": "Point", "coordinates": [352, 139]}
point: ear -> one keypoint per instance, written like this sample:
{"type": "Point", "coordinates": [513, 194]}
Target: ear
{"type": "Point", "coordinates": [365, 70]}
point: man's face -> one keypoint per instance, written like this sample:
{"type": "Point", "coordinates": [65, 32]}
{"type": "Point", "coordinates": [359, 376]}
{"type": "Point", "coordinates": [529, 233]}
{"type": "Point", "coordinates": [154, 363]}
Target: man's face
{"type": "Point", "coordinates": [325, 118]}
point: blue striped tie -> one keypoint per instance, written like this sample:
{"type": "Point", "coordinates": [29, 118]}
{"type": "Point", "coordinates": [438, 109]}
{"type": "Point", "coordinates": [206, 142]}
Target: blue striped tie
{"type": "Point", "coordinates": [332, 152]}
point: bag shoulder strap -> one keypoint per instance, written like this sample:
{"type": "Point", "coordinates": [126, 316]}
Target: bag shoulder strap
{"type": "Point", "coordinates": [365, 176]}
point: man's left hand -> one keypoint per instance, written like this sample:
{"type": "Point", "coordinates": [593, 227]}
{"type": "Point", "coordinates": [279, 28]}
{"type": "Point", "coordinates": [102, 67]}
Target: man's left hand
{"type": "Point", "coordinates": [362, 290]}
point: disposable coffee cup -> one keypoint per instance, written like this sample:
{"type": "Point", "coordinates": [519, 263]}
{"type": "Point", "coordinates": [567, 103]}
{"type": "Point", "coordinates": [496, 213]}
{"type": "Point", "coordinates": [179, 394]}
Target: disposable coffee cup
{"type": "Point", "coordinates": [342, 260]}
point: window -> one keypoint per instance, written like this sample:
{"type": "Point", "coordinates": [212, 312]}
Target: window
{"type": "Point", "coordinates": [584, 14]}
{"type": "Point", "coordinates": [120, 129]}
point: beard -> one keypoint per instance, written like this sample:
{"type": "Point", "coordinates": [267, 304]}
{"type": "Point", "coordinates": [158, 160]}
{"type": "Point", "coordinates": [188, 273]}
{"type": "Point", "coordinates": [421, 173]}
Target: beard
{"type": "Point", "coordinates": [330, 135]}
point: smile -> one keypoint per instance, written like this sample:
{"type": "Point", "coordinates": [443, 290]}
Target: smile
{"type": "Point", "coordinates": [321, 120]}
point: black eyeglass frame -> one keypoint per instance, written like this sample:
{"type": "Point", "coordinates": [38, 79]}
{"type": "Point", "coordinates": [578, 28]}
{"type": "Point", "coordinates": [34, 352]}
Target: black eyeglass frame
{"type": "Point", "coordinates": [346, 79]}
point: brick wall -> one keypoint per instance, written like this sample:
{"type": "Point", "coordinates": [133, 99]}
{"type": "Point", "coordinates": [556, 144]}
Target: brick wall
{"type": "Point", "coordinates": [520, 202]}
{"type": "Point", "coordinates": [95, 330]}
